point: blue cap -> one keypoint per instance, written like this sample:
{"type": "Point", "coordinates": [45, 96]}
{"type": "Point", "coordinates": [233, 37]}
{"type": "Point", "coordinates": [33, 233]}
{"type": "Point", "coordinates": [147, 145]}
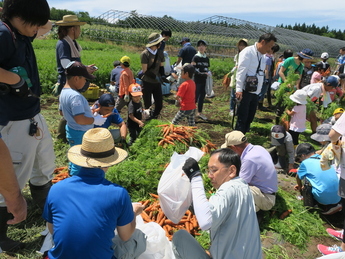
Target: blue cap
{"type": "Point", "coordinates": [186, 39]}
{"type": "Point", "coordinates": [106, 100]}
{"type": "Point", "coordinates": [332, 81]}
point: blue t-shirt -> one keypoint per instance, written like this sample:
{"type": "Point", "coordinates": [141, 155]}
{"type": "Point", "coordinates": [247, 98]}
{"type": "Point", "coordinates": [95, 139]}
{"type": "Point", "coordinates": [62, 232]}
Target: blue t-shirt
{"type": "Point", "coordinates": [85, 210]}
{"type": "Point", "coordinates": [187, 53]}
{"type": "Point", "coordinates": [115, 77]}
{"type": "Point", "coordinates": [324, 183]}
{"type": "Point", "coordinates": [73, 103]}
{"type": "Point", "coordinates": [113, 118]}
{"type": "Point", "coordinates": [16, 50]}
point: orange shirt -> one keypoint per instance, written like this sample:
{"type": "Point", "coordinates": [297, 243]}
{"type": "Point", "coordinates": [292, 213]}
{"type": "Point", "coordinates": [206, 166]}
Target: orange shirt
{"type": "Point", "coordinates": [126, 78]}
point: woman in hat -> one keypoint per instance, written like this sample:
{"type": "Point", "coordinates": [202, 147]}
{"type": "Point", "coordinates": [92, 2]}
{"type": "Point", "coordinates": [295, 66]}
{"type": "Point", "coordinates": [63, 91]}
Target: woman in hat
{"type": "Point", "coordinates": [84, 220]}
{"type": "Point", "coordinates": [151, 60]}
{"type": "Point", "coordinates": [296, 63]}
{"type": "Point", "coordinates": [67, 48]}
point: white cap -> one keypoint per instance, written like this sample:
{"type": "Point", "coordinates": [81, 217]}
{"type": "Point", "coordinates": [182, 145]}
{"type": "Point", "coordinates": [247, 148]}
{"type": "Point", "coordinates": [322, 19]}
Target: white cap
{"type": "Point", "coordinates": [324, 55]}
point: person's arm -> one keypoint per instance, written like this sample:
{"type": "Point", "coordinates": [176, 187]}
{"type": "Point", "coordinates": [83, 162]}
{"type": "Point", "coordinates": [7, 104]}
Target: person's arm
{"type": "Point", "coordinates": [123, 130]}
{"type": "Point", "coordinates": [9, 187]}
{"type": "Point", "coordinates": [44, 29]}
{"type": "Point", "coordinates": [125, 232]}
{"type": "Point", "coordinates": [178, 60]}
{"type": "Point", "coordinates": [334, 135]}
{"type": "Point", "coordinates": [83, 120]}
{"type": "Point", "coordinates": [281, 73]}
{"type": "Point", "coordinates": [290, 113]}
{"type": "Point", "coordinates": [8, 77]}
{"type": "Point", "coordinates": [139, 122]}
{"type": "Point", "coordinates": [144, 67]}
{"type": "Point", "coordinates": [50, 227]}
{"type": "Point", "coordinates": [298, 186]}
{"type": "Point", "coordinates": [244, 61]}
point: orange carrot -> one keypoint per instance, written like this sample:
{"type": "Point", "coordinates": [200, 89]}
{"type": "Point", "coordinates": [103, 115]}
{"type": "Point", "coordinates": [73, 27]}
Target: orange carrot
{"type": "Point", "coordinates": [154, 196]}
{"type": "Point", "coordinates": [145, 217]}
{"type": "Point", "coordinates": [285, 214]}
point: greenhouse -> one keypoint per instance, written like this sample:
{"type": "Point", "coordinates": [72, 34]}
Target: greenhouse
{"type": "Point", "coordinates": [220, 32]}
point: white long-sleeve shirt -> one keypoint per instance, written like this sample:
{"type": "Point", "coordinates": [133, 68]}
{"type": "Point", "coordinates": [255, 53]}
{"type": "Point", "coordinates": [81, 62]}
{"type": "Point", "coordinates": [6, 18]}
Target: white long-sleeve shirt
{"type": "Point", "coordinates": [248, 63]}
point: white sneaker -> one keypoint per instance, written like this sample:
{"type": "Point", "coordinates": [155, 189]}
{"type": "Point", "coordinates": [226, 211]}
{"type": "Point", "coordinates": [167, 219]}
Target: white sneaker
{"type": "Point", "coordinates": [278, 166]}
{"type": "Point", "coordinates": [202, 116]}
{"type": "Point", "coordinates": [333, 210]}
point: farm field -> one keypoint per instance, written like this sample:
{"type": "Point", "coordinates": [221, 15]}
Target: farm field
{"type": "Point", "coordinates": [296, 236]}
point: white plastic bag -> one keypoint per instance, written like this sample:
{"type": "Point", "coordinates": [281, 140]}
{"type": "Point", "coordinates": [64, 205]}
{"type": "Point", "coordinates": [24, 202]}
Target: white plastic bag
{"type": "Point", "coordinates": [157, 244]}
{"type": "Point", "coordinates": [174, 190]}
{"type": "Point", "coordinates": [209, 84]}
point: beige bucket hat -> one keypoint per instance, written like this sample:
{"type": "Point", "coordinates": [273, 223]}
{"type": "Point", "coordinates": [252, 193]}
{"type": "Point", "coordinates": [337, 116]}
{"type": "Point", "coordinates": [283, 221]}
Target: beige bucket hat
{"type": "Point", "coordinates": [69, 20]}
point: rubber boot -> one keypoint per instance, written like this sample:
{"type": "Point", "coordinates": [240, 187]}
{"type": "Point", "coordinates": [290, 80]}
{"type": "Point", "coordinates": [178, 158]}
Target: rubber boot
{"type": "Point", "coordinates": [39, 193]}
{"type": "Point", "coordinates": [7, 244]}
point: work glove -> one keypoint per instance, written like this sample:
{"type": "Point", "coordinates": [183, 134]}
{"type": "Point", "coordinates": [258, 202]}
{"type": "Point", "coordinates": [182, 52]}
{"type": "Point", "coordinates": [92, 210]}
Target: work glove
{"type": "Point", "coordinates": [191, 168]}
{"type": "Point", "coordinates": [126, 98]}
{"type": "Point", "coordinates": [98, 119]}
{"type": "Point", "coordinates": [123, 143]}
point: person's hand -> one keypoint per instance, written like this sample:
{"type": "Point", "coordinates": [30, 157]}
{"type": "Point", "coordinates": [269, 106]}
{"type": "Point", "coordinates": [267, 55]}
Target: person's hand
{"type": "Point", "coordinates": [98, 119]}
{"type": "Point", "coordinates": [191, 168]}
{"type": "Point", "coordinates": [137, 208]}
{"type": "Point", "coordinates": [141, 124]}
{"type": "Point", "coordinates": [18, 208]}
{"type": "Point", "coordinates": [91, 68]}
{"type": "Point", "coordinates": [239, 96]}
{"type": "Point", "coordinates": [297, 188]}
{"type": "Point", "coordinates": [126, 98]}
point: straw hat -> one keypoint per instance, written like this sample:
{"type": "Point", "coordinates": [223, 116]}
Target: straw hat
{"type": "Point", "coordinates": [97, 150]}
{"type": "Point", "coordinates": [154, 39]}
{"type": "Point", "coordinates": [242, 40]}
{"type": "Point", "coordinates": [69, 20]}
{"type": "Point", "coordinates": [300, 96]}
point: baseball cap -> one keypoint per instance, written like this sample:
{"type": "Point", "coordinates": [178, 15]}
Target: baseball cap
{"type": "Point", "coordinates": [186, 39]}
{"type": "Point", "coordinates": [116, 63]}
{"type": "Point", "coordinates": [135, 90]}
{"type": "Point", "coordinates": [278, 133]}
{"type": "Point", "coordinates": [322, 131]}
{"type": "Point", "coordinates": [125, 60]}
{"type": "Point", "coordinates": [203, 42]}
{"type": "Point", "coordinates": [106, 100]}
{"type": "Point", "coordinates": [338, 110]}
{"type": "Point", "coordinates": [76, 68]}
{"type": "Point", "coordinates": [324, 55]}
{"type": "Point", "coordinates": [304, 149]}
{"type": "Point", "coordinates": [234, 138]}
{"type": "Point", "coordinates": [332, 81]}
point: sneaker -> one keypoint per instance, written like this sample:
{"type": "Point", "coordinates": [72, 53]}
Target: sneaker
{"type": "Point", "coordinates": [333, 210]}
{"type": "Point", "coordinates": [231, 113]}
{"type": "Point", "coordinates": [327, 250]}
{"type": "Point", "coordinates": [338, 234]}
{"type": "Point", "coordinates": [202, 116]}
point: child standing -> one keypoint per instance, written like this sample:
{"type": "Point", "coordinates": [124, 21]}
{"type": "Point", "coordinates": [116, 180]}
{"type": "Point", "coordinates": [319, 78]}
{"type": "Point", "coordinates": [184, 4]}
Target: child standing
{"type": "Point", "coordinates": [298, 114]}
{"type": "Point", "coordinates": [75, 108]}
{"type": "Point", "coordinates": [201, 63]}
{"type": "Point", "coordinates": [241, 44]}
{"type": "Point", "coordinates": [186, 97]}
{"type": "Point", "coordinates": [135, 109]}
{"type": "Point", "coordinates": [126, 78]}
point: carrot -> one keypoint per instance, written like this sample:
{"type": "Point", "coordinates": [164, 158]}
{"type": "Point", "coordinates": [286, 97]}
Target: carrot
{"type": "Point", "coordinates": [171, 128]}
{"type": "Point", "coordinates": [285, 214]}
{"type": "Point", "coordinates": [194, 222]}
{"type": "Point", "coordinates": [154, 196]}
{"type": "Point", "coordinates": [163, 125]}
{"type": "Point", "coordinates": [189, 214]}
{"type": "Point", "coordinates": [160, 215]}
{"type": "Point", "coordinates": [145, 217]}
{"type": "Point", "coordinates": [145, 203]}
{"type": "Point", "coordinates": [160, 143]}
{"type": "Point", "coordinates": [187, 224]}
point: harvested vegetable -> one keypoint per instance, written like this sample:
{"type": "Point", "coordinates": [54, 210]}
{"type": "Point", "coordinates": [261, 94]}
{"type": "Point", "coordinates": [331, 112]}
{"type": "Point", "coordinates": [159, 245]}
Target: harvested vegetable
{"type": "Point", "coordinates": [154, 213]}
{"type": "Point", "coordinates": [60, 173]}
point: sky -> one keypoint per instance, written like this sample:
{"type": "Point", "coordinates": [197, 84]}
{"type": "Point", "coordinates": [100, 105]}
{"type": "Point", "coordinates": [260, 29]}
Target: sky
{"type": "Point", "coordinates": [268, 12]}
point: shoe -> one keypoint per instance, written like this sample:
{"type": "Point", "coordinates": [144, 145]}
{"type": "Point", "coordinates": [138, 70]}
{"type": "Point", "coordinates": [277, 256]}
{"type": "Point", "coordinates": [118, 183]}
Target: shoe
{"type": "Point", "coordinates": [231, 113]}
{"type": "Point", "coordinates": [202, 116]}
{"type": "Point", "coordinates": [10, 245]}
{"type": "Point", "coordinates": [327, 250]}
{"type": "Point", "coordinates": [338, 234]}
{"type": "Point", "coordinates": [278, 166]}
{"type": "Point", "coordinates": [333, 210]}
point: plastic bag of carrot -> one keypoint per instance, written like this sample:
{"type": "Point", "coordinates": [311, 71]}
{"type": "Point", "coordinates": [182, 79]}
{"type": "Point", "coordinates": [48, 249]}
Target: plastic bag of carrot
{"type": "Point", "coordinates": [154, 213]}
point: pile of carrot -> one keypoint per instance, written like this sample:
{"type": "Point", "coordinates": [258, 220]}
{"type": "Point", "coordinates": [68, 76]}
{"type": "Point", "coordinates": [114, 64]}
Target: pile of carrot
{"type": "Point", "coordinates": [185, 134]}
{"type": "Point", "coordinates": [60, 173]}
{"type": "Point", "coordinates": [154, 213]}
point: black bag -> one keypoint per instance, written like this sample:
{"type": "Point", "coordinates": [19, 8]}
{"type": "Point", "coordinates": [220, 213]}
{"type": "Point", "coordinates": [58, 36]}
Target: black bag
{"type": "Point", "coordinates": [251, 84]}
{"type": "Point", "coordinates": [148, 73]}
{"type": "Point", "coordinates": [140, 74]}
{"type": "Point", "coordinates": [308, 198]}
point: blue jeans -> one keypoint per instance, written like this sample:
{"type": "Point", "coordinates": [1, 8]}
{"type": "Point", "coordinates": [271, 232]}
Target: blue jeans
{"type": "Point", "coordinates": [246, 111]}
{"type": "Point", "coordinates": [74, 137]}
{"type": "Point", "coordinates": [232, 98]}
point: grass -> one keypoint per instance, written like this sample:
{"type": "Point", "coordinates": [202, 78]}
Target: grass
{"type": "Point", "coordinates": [141, 171]}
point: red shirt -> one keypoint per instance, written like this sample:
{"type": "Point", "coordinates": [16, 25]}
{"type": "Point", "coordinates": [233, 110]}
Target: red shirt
{"type": "Point", "coordinates": [187, 93]}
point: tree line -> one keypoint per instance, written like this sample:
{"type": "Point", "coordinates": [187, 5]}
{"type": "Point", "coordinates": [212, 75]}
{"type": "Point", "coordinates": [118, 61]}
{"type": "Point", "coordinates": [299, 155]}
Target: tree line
{"type": "Point", "coordinates": [313, 29]}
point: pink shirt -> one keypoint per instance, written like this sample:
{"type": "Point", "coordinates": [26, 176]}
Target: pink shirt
{"type": "Point", "coordinates": [298, 120]}
{"type": "Point", "coordinates": [315, 77]}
